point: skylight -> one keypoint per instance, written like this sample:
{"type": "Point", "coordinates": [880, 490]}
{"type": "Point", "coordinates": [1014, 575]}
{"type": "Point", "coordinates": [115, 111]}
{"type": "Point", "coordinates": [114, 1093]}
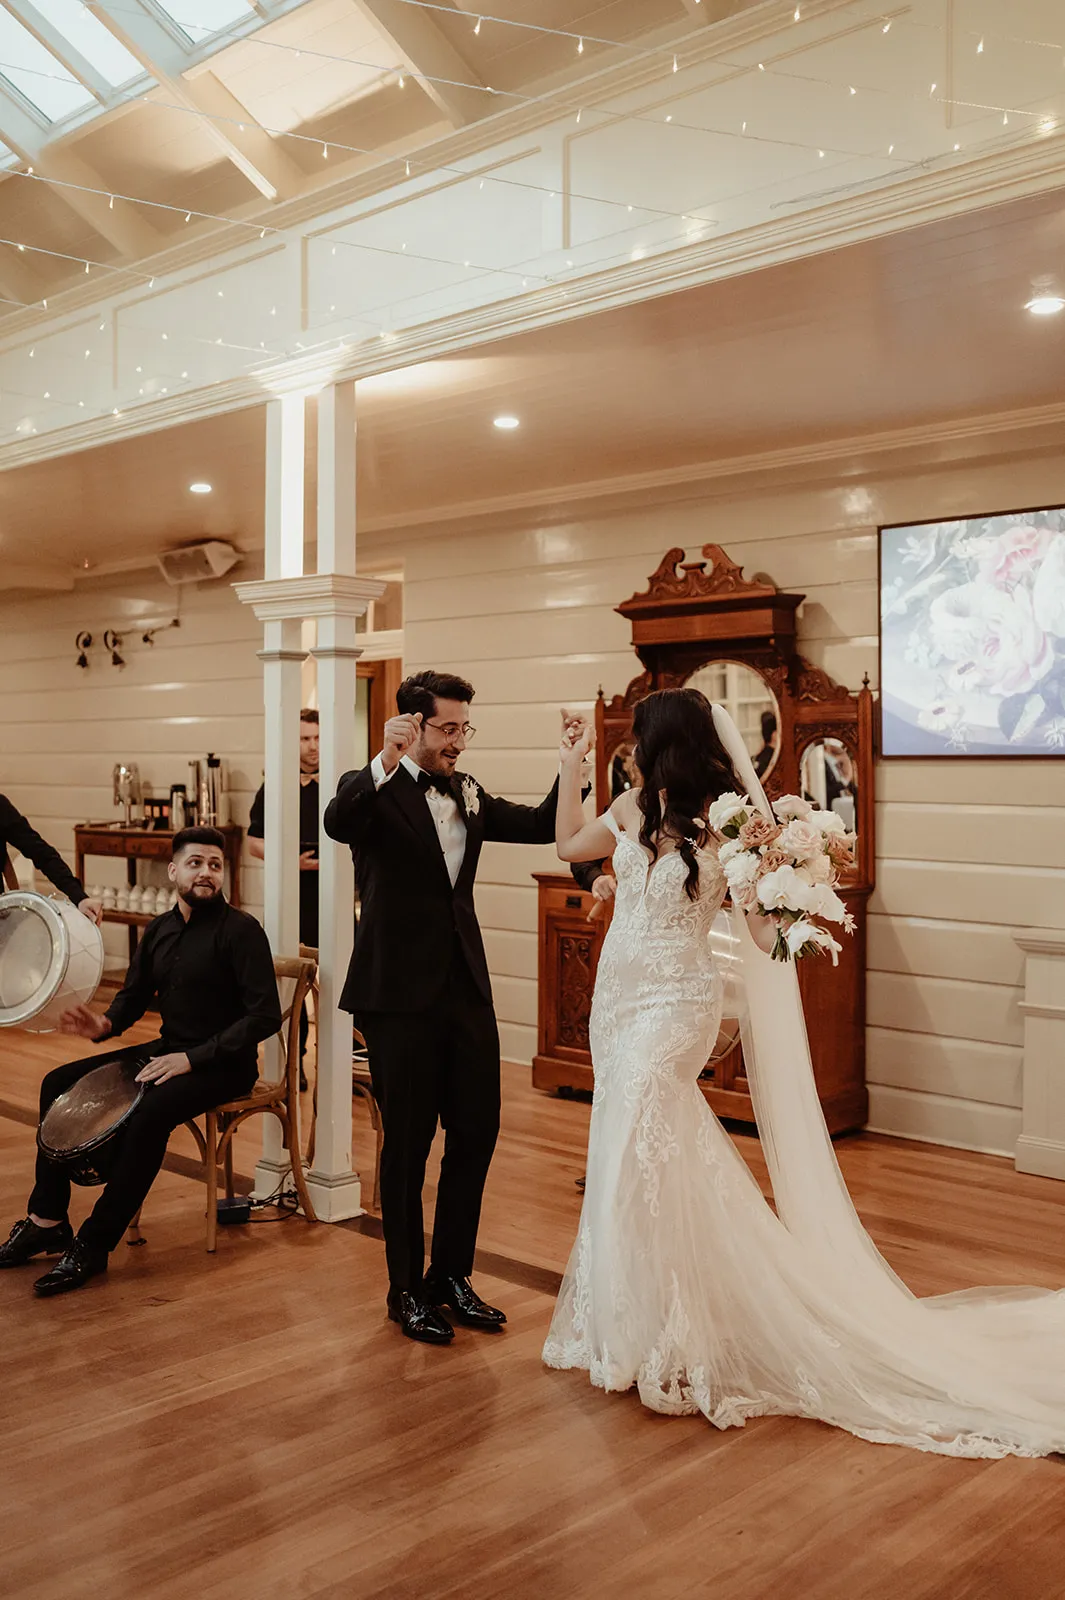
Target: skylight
{"type": "Point", "coordinates": [36, 73]}
{"type": "Point", "coordinates": [201, 19]}
{"type": "Point", "coordinates": [88, 35]}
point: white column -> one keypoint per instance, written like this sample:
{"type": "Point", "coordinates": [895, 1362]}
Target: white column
{"type": "Point", "coordinates": [335, 1188]}
{"type": "Point", "coordinates": [282, 657]}
{"type": "Point", "coordinates": [1041, 1145]}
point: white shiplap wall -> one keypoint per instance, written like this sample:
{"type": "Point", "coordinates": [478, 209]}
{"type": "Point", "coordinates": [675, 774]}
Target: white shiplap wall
{"type": "Point", "coordinates": [967, 850]}
{"type": "Point", "coordinates": [197, 689]}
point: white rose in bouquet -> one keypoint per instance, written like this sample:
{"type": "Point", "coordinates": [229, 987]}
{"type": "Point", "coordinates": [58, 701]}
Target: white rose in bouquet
{"type": "Point", "coordinates": [791, 805]}
{"type": "Point", "coordinates": [819, 869]}
{"type": "Point", "coordinates": [827, 822]}
{"type": "Point", "coordinates": [801, 839]}
{"type": "Point", "coordinates": [725, 809]}
{"type": "Point", "coordinates": [730, 848]}
{"type": "Point", "coordinates": [741, 870]}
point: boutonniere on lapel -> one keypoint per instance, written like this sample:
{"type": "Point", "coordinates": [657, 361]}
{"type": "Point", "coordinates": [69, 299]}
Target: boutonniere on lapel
{"type": "Point", "coordinates": [471, 795]}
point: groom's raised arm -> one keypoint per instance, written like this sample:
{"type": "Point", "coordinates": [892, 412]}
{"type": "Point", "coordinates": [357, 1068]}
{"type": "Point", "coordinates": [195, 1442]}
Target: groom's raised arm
{"type": "Point", "coordinates": [349, 813]}
{"type": "Point", "coordinates": [507, 822]}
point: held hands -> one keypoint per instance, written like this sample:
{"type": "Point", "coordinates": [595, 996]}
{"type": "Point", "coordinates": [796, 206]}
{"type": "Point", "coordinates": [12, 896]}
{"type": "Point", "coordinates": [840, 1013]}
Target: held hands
{"type": "Point", "coordinates": [578, 737]}
{"type": "Point", "coordinates": [164, 1067]}
{"type": "Point", "coordinates": [308, 861]}
{"type": "Point", "coordinates": [603, 891]}
{"type": "Point", "coordinates": [85, 1023]}
{"type": "Point", "coordinates": [400, 734]}
{"type": "Point", "coordinates": [93, 909]}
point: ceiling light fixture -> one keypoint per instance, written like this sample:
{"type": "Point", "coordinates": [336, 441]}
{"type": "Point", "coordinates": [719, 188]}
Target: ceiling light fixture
{"type": "Point", "coordinates": [505, 424]}
{"type": "Point", "coordinates": [199, 488]}
{"type": "Point", "coordinates": [1045, 304]}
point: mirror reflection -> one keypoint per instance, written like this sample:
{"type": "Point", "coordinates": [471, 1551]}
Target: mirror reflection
{"type": "Point", "coordinates": [830, 780]}
{"type": "Point", "coordinates": [623, 773]}
{"type": "Point", "coordinates": [751, 704]}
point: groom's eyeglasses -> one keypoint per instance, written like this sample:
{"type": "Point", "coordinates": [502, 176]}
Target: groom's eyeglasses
{"type": "Point", "coordinates": [451, 730]}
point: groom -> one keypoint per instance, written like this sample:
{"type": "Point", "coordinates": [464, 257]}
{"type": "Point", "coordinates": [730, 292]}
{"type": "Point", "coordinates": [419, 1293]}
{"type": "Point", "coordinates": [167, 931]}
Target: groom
{"type": "Point", "coordinates": [419, 989]}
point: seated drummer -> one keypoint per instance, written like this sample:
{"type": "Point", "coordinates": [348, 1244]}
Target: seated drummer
{"type": "Point", "coordinates": [209, 970]}
{"type": "Point", "coordinates": [15, 830]}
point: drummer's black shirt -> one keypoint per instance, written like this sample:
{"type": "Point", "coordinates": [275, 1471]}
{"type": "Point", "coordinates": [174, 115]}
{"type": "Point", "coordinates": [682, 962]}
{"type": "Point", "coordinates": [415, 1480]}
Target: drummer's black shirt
{"type": "Point", "coordinates": [212, 979]}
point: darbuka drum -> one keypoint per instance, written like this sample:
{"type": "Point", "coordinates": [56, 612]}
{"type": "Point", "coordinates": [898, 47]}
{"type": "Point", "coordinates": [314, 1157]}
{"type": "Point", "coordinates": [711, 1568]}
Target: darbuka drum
{"type": "Point", "coordinates": [82, 1128]}
{"type": "Point", "coordinates": [51, 957]}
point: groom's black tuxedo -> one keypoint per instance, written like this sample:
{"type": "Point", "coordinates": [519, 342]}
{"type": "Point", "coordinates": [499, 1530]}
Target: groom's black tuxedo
{"type": "Point", "coordinates": [419, 989]}
{"type": "Point", "coordinates": [410, 917]}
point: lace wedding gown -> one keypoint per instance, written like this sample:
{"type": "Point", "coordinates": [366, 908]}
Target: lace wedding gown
{"type": "Point", "coordinates": [684, 1283]}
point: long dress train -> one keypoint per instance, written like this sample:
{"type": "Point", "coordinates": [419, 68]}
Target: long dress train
{"type": "Point", "coordinates": [686, 1284]}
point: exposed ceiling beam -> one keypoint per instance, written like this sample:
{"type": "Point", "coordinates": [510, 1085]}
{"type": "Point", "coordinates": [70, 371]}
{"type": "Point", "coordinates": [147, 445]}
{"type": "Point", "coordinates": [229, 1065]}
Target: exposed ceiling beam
{"type": "Point", "coordinates": [446, 76]}
{"type": "Point", "coordinates": [161, 53]}
{"type": "Point", "coordinates": [26, 132]}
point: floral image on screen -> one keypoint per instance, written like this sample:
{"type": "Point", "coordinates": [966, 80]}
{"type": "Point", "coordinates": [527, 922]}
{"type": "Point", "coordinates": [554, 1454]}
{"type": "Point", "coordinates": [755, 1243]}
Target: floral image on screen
{"type": "Point", "coordinates": [972, 636]}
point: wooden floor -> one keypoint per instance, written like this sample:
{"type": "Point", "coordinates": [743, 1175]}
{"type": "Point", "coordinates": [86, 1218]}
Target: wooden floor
{"type": "Point", "coordinates": [249, 1426]}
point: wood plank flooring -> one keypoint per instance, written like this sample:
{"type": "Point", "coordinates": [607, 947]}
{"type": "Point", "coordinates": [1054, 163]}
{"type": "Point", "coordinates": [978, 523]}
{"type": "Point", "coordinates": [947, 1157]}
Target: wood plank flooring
{"type": "Point", "coordinates": [251, 1426]}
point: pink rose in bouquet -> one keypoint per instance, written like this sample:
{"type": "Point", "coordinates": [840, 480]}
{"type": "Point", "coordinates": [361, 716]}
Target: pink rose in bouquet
{"type": "Point", "coordinates": [758, 831]}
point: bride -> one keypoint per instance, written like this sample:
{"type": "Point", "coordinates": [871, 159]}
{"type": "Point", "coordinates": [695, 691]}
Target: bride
{"type": "Point", "coordinates": [682, 1280]}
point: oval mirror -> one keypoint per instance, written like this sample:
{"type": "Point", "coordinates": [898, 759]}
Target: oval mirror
{"type": "Point", "coordinates": [751, 704]}
{"type": "Point", "coordinates": [830, 779]}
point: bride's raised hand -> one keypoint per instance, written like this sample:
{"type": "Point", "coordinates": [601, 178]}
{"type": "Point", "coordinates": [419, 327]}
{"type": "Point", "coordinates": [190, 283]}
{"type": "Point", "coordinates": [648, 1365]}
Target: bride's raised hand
{"type": "Point", "coordinates": [578, 737]}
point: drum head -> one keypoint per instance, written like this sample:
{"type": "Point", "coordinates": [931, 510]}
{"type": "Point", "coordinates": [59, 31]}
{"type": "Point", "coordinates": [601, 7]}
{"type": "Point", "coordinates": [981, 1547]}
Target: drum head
{"type": "Point", "coordinates": [34, 952]}
{"type": "Point", "coordinates": [92, 1111]}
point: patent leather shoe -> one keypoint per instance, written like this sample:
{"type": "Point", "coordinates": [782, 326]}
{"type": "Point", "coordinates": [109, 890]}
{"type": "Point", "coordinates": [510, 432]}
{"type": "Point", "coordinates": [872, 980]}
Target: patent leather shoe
{"type": "Point", "coordinates": [459, 1295]}
{"type": "Point", "coordinates": [72, 1271]}
{"type": "Point", "coordinates": [418, 1319]}
{"type": "Point", "coordinates": [27, 1239]}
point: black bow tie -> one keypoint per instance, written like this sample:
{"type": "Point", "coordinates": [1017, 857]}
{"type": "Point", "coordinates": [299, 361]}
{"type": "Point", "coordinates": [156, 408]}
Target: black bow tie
{"type": "Point", "coordinates": [434, 780]}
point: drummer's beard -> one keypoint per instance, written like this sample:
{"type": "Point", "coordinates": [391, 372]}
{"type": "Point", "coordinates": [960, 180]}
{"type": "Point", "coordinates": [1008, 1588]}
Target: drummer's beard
{"type": "Point", "coordinates": [201, 893]}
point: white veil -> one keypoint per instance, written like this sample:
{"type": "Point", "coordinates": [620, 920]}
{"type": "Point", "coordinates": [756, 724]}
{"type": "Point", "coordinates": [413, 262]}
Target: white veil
{"type": "Point", "coordinates": [811, 1197]}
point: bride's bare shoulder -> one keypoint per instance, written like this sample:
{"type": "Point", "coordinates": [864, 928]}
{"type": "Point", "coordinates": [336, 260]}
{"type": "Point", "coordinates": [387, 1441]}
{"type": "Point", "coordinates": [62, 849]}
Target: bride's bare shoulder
{"type": "Point", "coordinates": [626, 811]}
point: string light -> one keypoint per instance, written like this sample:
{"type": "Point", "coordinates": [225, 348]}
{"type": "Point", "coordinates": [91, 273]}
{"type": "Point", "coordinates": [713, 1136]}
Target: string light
{"type": "Point", "coordinates": [674, 63]}
{"type": "Point", "coordinates": [477, 29]}
{"type": "Point", "coordinates": [980, 48]}
{"type": "Point", "coordinates": [111, 204]}
{"type": "Point", "coordinates": [407, 166]}
{"type": "Point", "coordinates": [325, 152]}
{"type": "Point", "coordinates": [402, 81]}
{"type": "Point", "coordinates": [579, 113]}
{"type": "Point", "coordinates": [932, 90]}
{"type": "Point", "coordinates": [886, 28]}
{"type": "Point", "coordinates": [798, 16]}
{"type": "Point", "coordinates": [580, 47]}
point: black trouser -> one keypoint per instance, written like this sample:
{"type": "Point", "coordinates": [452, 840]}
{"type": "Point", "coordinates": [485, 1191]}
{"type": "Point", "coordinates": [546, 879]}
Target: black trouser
{"type": "Point", "coordinates": [440, 1065]}
{"type": "Point", "coordinates": [142, 1142]}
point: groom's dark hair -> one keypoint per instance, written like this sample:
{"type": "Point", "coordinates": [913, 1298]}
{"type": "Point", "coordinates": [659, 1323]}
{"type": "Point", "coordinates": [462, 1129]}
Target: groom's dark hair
{"type": "Point", "coordinates": [424, 689]}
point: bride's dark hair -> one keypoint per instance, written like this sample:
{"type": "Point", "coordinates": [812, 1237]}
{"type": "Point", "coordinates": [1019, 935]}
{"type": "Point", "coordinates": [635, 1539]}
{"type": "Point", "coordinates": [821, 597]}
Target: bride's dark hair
{"type": "Point", "coordinates": [679, 755]}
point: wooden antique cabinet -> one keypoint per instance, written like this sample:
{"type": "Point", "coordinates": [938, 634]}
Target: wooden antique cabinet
{"type": "Point", "coordinates": [704, 624]}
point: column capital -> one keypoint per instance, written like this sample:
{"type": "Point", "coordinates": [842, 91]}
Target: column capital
{"type": "Point", "coordinates": [335, 652]}
{"type": "Point", "coordinates": [325, 594]}
{"type": "Point", "coordinates": [281, 655]}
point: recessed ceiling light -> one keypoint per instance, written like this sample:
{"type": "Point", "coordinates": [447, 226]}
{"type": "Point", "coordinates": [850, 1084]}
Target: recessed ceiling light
{"type": "Point", "coordinates": [199, 488]}
{"type": "Point", "coordinates": [506, 423]}
{"type": "Point", "coordinates": [1045, 305]}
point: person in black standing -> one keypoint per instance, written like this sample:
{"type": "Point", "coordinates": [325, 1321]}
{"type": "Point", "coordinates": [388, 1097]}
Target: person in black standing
{"type": "Point", "coordinates": [310, 802]}
{"type": "Point", "coordinates": [209, 970]}
{"type": "Point", "coordinates": [770, 739]}
{"type": "Point", "coordinates": [15, 830]}
{"type": "Point", "coordinates": [419, 989]}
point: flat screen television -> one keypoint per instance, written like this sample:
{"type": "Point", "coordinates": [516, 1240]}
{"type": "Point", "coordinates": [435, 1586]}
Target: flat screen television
{"type": "Point", "coordinates": [972, 636]}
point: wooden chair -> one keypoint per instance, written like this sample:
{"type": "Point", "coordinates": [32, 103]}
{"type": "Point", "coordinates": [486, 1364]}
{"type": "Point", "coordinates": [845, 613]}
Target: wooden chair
{"type": "Point", "coordinates": [361, 1085]}
{"type": "Point", "coordinates": [8, 873]}
{"type": "Point", "coordinates": [280, 1099]}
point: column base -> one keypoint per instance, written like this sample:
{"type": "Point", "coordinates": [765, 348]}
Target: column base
{"type": "Point", "coordinates": [271, 1176]}
{"type": "Point", "coordinates": [335, 1197]}
{"type": "Point", "coordinates": [1043, 1157]}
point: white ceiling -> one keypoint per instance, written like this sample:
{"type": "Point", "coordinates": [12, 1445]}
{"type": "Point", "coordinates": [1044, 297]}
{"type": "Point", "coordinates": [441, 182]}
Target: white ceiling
{"type": "Point", "coordinates": [913, 329]}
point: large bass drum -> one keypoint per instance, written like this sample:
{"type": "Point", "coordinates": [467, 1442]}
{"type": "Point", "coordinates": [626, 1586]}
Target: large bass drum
{"type": "Point", "coordinates": [51, 958]}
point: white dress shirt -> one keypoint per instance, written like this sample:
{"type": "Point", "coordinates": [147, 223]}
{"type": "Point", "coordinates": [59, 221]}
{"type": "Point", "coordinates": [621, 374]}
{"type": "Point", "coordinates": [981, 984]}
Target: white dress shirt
{"type": "Point", "coordinates": [445, 811]}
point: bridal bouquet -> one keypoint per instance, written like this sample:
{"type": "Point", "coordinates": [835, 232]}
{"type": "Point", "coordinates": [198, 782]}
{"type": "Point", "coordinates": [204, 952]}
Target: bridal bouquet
{"type": "Point", "coordinates": [787, 867]}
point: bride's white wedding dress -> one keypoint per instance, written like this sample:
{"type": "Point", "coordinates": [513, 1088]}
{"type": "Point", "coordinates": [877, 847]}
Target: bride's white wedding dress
{"type": "Point", "coordinates": [684, 1282]}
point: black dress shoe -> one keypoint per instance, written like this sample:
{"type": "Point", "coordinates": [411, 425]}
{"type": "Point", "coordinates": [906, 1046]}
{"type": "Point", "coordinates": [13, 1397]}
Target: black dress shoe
{"type": "Point", "coordinates": [73, 1270]}
{"type": "Point", "coordinates": [27, 1240]}
{"type": "Point", "coordinates": [418, 1319]}
{"type": "Point", "coordinates": [459, 1295]}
